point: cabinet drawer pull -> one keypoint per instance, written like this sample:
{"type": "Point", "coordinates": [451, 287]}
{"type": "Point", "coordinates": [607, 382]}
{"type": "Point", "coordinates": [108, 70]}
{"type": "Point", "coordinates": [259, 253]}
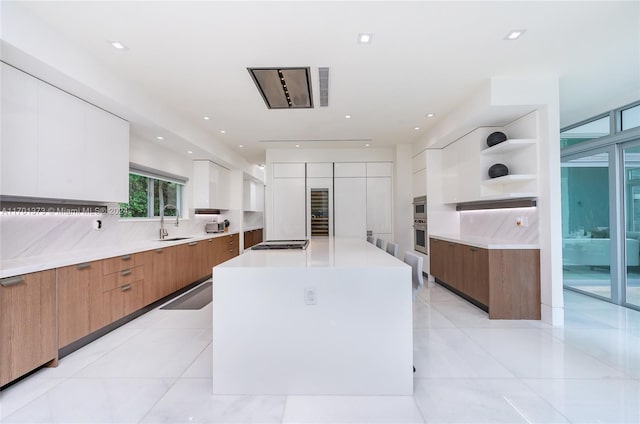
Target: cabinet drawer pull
{"type": "Point", "coordinates": [473, 249]}
{"type": "Point", "coordinates": [159, 250]}
{"type": "Point", "coordinates": [125, 272]}
{"type": "Point", "coordinates": [125, 257]}
{"type": "Point", "coordinates": [11, 281]}
{"type": "Point", "coordinates": [193, 243]}
{"type": "Point", "coordinates": [83, 265]}
{"type": "Point", "coordinates": [210, 240]}
{"type": "Point", "coordinates": [125, 287]}
{"type": "Point", "coordinates": [452, 244]}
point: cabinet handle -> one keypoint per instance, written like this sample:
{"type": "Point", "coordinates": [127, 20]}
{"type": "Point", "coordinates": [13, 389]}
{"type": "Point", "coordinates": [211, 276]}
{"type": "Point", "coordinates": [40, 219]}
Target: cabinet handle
{"type": "Point", "coordinates": [125, 272]}
{"type": "Point", "coordinates": [230, 250]}
{"type": "Point", "coordinates": [452, 244]}
{"type": "Point", "coordinates": [83, 265]}
{"type": "Point", "coordinates": [210, 240]}
{"type": "Point", "coordinates": [125, 257]}
{"type": "Point", "coordinates": [193, 243]}
{"type": "Point", "coordinates": [159, 250]}
{"type": "Point", "coordinates": [473, 249]}
{"type": "Point", "coordinates": [11, 281]}
{"type": "Point", "coordinates": [125, 287]}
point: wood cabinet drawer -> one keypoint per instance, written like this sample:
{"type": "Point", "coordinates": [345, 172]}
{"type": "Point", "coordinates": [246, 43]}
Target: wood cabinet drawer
{"type": "Point", "coordinates": [120, 278]}
{"type": "Point", "coordinates": [120, 263]}
{"type": "Point", "coordinates": [122, 301]}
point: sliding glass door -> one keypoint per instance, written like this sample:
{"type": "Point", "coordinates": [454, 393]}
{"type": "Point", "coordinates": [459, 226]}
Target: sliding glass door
{"type": "Point", "coordinates": [586, 224]}
{"type": "Point", "coordinates": [631, 286]}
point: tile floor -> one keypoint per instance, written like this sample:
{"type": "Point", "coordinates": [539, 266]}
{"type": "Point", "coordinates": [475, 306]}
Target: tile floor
{"type": "Point", "coordinates": [157, 369]}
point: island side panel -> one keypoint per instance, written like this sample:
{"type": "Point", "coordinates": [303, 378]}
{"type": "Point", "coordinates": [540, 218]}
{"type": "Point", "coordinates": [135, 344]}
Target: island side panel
{"type": "Point", "coordinates": [356, 340]}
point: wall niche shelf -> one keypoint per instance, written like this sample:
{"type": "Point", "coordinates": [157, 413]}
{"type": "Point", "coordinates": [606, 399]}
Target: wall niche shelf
{"type": "Point", "coordinates": [508, 179]}
{"type": "Point", "coordinates": [509, 146]}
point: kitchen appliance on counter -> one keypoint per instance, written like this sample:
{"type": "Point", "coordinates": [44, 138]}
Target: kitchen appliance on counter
{"type": "Point", "coordinates": [420, 224]}
{"type": "Point", "coordinates": [214, 227]}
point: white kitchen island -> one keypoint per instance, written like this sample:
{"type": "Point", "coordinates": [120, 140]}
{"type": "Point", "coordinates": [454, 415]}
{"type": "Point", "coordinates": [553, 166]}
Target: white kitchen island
{"type": "Point", "coordinates": [334, 319]}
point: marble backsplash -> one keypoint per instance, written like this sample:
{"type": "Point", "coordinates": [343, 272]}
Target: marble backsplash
{"type": "Point", "coordinates": [38, 235]}
{"type": "Point", "coordinates": [500, 224]}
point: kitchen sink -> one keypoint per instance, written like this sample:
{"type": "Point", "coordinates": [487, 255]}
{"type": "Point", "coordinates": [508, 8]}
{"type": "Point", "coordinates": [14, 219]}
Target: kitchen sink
{"type": "Point", "coordinates": [175, 238]}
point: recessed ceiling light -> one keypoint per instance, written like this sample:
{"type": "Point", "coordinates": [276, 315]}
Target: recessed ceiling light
{"type": "Point", "coordinates": [514, 34]}
{"type": "Point", "coordinates": [297, 145]}
{"type": "Point", "coordinates": [416, 128]}
{"type": "Point", "coordinates": [118, 45]}
{"type": "Point", "coordinates": [367, 145]}
{"type": "Point", "coordinates": [347, 116]}
{"type": "Point", "coordinates": [160, 137]}
{"type": "Point", "coordinates": [206, 118]}
{"type": "Point", "coordinates": [189, 151]}
{"type": "Point", "coordinates": [222, 131]}
{"type": "Point", "coordinates": [365, 38]}
{"type": "Point", "coordinates": [430, 115]}
{"type": "Point", "coordinates": [241, 145]}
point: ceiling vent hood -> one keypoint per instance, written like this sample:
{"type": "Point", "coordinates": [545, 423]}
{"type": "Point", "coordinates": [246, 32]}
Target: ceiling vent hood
{"type": "Point", "coordinates": [284, 88]}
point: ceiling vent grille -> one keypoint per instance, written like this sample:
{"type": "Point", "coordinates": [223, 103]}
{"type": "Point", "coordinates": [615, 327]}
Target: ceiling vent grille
{"type": "Point", "coordinates": [324, 86]}
{"type": "Point", "coordinates": [284, 88]}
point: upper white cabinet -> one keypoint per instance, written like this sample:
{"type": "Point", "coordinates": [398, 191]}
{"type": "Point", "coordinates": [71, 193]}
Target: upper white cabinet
{"type": "Point", "coordinates": [466, 162]}
{"type": "Point", "coordinates": [289, 170]}
{"type": "Point", "coordinates": [419, 165]}
{"type": "Point", "coordinates": [379, 200]}
{"type": "Point", "coordinates": [289, 209]}
{"type": "Point", "coordinates": [379, 169]}
{"type": "Point", "coordinates": [320, 170]}
{"type": "Point", "coordinates": [57, 146]}
{"type": "Point", "coordinates": [210, 185]}
{"type": "Point", "coordinates": [350, 169]}
{"type": "Point", "coordinates": [253, 192]}
{"type": "Point", "coordinates": [350, 205]}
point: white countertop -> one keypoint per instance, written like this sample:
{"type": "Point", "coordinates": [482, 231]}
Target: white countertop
{"type": "Point", "coordinates": [484, 242]}
{"type": "Point", "coordinates": [11, 267]}
{"type": "Point", "coordinates": [322, 252]}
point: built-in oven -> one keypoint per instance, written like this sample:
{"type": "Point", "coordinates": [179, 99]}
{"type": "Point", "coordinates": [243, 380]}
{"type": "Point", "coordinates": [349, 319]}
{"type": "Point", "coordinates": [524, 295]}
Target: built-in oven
{"type": "Point", "coordinates": [420, 235]}
{"type": "Point", "coordinates": [420, 207]}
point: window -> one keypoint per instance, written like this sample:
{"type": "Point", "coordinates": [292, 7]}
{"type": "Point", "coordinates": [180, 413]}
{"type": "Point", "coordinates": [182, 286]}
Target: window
{"type": "Point", "coordinates": [630, 118]}
{"type": "Point", "coordinates": [594, 129]}
{"type": "Point", "coordinates": [147, 195]}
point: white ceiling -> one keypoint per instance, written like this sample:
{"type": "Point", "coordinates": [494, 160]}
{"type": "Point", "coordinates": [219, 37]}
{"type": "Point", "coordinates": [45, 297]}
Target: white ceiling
{"type": "Point", "coordinates": [426, 57]}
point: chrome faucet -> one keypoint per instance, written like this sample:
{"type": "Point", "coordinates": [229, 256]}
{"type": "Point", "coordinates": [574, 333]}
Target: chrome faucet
{"type": "Point", "coordinates": [163, 231]}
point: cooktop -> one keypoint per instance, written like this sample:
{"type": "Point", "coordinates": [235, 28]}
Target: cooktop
{"type": "Point", "coordinates": [281, 244]}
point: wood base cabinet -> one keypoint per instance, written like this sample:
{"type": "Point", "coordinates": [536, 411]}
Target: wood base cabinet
{"type": "Point", "coordinates": [80, 306]}
{"type": "Point", "coordinates": [252, 237]}
{"type": "Point", "coordinates": [27, 323]}
{"type": "Point", "coordinates": [160, 274]}
{"type": "Point", "coordinates": [506, 282]}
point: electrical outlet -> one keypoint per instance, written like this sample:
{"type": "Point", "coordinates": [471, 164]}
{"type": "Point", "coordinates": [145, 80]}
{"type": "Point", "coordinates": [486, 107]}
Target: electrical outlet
{"type": "Point", "coordinates": [310, 296]}
{"type": "Point", "coordinates": [522, 221]}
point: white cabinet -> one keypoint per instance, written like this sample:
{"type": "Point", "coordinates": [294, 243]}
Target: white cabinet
{"type": "Point", "coordinates": [350, 200]}
{"type": "Point", "coordinates": [379, 200]}
{"type": "Point", "coordinates": [253, 196]}
{"type": "Point", "coordinates": [350, 169]}
{"type": "Point", "coordinates": [210, 185]}
{"type": "Point", "coordinates": [465, 164]}
{"type": "Point", "coordinates": [320, 170]}
{"type": "Point", "coordinates": [379, 169]}
{"type": "Point", "coordinates": [289, 213]}
{"type": "Point", "coordinates": [419, 165]}
{"type": "Point", "coordinates": [19, 142]}
{"type": "Point", "coordinates": [59, 146]}
{"type": "Point", "coordinates": [289, 170]}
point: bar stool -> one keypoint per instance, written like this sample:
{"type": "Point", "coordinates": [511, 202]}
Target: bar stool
{"type": "Point", "coordinates": [380, 243]}
{"type": "Point", "coordinates": [371, 239]}
{"type": "Point", "coordinates": [392, 249]}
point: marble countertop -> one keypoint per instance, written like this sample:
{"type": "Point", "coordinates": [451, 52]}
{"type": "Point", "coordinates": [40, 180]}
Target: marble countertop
{"type": "Point", "coordinates": [18, 266]}
{"type": "Point", "coordinates": [484, 242]}
{"type": "Point", "coordinates": [322, 252]}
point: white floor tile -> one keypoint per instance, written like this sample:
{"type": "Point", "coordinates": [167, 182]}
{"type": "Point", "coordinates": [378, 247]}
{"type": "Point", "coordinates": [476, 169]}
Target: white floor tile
{"type": "Point", "coordinates": [442, 353]}
{"type": "Point", "coordinates": [152, 353]}
{"type": "Point", "coordinates": [482, 401]}
{"type": "Point", "coordinates": [351, 409]}
{"type": "Point", "coordinates": [592, 401]}
{"type": "Point", "coordinates": [23, 392]}
{"type": "Point", "coordinates": [202, 367]}
{"type": "Point", "coordinates": [533, 353]}
{"type": "Point", "coordinates": [426, 316]}
{"type": "Point", "coordinates": [177, 318]}
{"type": "Point", "coordinates": [190, 400]}
{"type": "Point", "coordinates": [466, 315]}
{"type": "Point", "coordinates": [93, 401]}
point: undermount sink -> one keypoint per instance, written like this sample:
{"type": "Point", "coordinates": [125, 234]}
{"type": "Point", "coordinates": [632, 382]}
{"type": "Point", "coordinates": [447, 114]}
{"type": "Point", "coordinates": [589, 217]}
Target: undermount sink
{"type": "Point", "coordinates": [175, 238]}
